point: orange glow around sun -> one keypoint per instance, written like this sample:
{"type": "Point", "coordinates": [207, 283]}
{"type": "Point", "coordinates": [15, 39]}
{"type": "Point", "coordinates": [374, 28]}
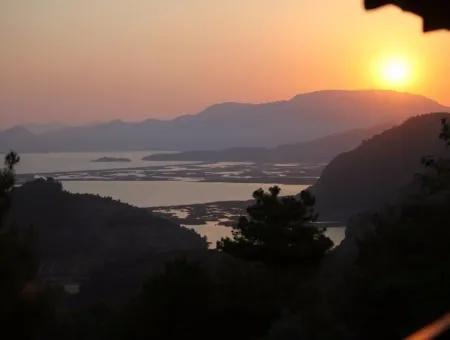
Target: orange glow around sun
{"type": "Point", "coordinates": [394, 72]}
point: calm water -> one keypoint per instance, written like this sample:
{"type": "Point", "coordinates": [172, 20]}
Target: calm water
{"type": "Point", "coordinates": [150, 193]}
{"type": "Point", "coordinates": [165, 193]}
{"type": "Point", "coordinates": [213, 232]}
{"type": "Point", "coordinates": [31, 163]}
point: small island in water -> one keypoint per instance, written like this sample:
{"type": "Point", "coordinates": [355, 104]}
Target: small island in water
{"type": "Point", "coordinates": [111, 159]}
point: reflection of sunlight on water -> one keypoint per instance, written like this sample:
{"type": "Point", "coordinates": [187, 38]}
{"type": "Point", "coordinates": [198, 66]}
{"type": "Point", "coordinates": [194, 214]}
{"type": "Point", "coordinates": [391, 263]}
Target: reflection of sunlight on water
{"type": "Point", "coordinates": [212, 231]}
{"type": "Point", "coordinates": [32, 163]}
{"type": "Point", "coordinates": [169, 193]}
{"type": "Point", "coordinates": [220, 165]}
{"type": "Point", "coordinates": [179, 213]}
{"type": "Point", "coordinates": [286, 164]}
{"type": "Point", "coordinates": [336, 234]}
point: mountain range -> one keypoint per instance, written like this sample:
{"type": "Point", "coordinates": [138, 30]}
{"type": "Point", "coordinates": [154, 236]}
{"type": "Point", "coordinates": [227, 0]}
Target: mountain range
{"type": "Point", "coordinates": [303, 118]}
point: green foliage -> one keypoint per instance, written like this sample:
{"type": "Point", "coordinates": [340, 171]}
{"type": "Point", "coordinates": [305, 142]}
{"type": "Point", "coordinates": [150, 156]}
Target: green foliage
{"type": "Point", "coordinates": [278, 230]}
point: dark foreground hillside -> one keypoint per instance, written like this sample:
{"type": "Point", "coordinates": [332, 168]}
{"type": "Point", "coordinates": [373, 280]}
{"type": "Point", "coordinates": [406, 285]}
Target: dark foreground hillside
{"type": "Point", "coordinates": [375, 173]}
{"type": "Point", "coordinates": [77, 234]}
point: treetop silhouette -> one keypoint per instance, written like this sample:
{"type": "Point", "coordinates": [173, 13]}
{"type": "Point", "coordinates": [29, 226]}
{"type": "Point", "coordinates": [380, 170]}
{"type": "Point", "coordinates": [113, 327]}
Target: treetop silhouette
{"type": "Point", "coordinates": [278, 230]}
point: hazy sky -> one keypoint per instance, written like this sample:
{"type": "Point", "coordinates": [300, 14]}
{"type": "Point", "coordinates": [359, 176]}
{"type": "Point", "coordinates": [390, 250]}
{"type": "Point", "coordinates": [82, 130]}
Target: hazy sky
{"type": "Point", "coordinates": [91, 60]}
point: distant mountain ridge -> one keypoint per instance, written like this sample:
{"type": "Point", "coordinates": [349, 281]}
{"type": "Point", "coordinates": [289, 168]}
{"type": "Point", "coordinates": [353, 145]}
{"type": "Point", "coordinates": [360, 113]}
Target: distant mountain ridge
{"type": "Point", "coordinates": [318, 150]}
{"type": "Point", "coordinates": [302, 118]}
{"type": "Point", "coordinates": [380, 170]}
{"type": "Point", "coordinates": [37, 128]}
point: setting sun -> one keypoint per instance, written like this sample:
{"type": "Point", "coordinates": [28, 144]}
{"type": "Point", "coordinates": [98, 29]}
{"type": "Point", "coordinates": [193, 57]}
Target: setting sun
{"type": "Point", "coordinates": [395, 72]}
{"type": "Point", "coordinates": [259, 169]}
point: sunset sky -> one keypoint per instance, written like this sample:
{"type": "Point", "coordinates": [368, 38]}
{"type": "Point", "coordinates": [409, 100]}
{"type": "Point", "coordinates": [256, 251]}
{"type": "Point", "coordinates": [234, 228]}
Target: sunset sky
{"type": "Point", "coordinates": [77, 61]}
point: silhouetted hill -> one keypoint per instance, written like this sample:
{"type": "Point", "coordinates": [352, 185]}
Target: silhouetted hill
{"type": "Point", "coordinates": [77, 233]}
{"type": "Point", "coordinates": [302, 118]}
{"type": "Point", "coordinates": [374, 173]}
{"type": "Point", "coordinates": [319, 150]}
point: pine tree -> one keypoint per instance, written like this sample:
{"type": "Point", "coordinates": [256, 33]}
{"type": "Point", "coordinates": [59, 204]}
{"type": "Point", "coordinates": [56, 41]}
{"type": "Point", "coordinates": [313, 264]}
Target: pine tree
{"type": "Point", "coordinates": [278, 230]}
